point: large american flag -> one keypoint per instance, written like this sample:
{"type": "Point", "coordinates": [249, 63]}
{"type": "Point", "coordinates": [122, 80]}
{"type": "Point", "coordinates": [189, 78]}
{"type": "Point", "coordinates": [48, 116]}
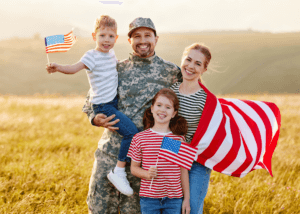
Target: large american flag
{"type": "Point", "coordinates": [59, 43]}
{"type": "Point", "coordinates": [177, 152]}
{"type": "Point", "coordinates": [235, 137]}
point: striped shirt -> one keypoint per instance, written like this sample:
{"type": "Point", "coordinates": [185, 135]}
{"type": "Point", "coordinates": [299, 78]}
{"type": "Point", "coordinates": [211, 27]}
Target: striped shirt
{"type": "Point", "coordinates": [145, 148]}
{"type": "Point", "coordinates": [102, 75]}
{"type": "Point", "coordinates": [190, 107]}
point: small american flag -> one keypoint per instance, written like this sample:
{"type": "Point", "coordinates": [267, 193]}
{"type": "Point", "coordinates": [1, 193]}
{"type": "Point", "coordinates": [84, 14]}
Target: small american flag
{"type": "Point", "coordinates": [59, 43]}
{"type": "Point", "coordinates": [235, 137]}
{"type": "Point", "coordinates": [177, 152]}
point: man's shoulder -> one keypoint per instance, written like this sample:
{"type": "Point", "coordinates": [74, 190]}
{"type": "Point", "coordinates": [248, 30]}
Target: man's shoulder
{"type": "Point", "coordinates": [124, 61]}
{"type": "Point", "coordinates": [166, 63]}
{"type": "Point", "coordinates": [122, 64]}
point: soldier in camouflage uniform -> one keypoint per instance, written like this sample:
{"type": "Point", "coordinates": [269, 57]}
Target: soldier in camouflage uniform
{"type": "Point", "coordinates": [141, 76]}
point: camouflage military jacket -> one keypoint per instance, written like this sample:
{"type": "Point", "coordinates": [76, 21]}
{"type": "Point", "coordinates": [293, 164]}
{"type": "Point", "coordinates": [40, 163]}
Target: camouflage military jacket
{"type": "Point", "coordinates": [139, 80]}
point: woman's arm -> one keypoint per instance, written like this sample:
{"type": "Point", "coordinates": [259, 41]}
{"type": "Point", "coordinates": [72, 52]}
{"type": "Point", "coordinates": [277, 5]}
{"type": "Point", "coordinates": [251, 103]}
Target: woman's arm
{"type": "Point", "coordinates": [186, 208]}
{"type": "Point", "coordinates": [137, 171]}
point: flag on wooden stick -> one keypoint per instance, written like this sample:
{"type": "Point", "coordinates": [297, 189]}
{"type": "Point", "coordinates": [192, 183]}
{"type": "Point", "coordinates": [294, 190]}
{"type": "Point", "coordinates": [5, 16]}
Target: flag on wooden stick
{"type": "Point", "coordinates": [60, 43]}
{"type": "Point", "coordinates": [177, 152]}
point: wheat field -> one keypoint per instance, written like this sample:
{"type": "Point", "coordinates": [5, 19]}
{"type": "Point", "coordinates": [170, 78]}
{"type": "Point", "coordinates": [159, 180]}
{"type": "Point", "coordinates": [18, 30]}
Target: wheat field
{"type": "Point", "coordinates": [47, 152]}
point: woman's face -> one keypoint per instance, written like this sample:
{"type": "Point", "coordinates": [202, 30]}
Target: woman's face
{"type": "Point", "coordinates": [192, 65]}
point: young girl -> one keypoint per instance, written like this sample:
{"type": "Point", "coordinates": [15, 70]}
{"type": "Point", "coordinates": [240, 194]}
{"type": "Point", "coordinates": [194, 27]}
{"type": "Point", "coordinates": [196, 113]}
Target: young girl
{"type": "Point", "coordinates": [162, 187]}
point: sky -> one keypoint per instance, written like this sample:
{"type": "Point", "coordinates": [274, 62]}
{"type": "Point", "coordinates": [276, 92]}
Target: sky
{"type": "Point", "coordinates": [20, 18]}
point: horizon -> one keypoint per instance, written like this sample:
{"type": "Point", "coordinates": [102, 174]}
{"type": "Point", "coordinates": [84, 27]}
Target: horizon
{"type": "Point", "coordinates": [38, 35]}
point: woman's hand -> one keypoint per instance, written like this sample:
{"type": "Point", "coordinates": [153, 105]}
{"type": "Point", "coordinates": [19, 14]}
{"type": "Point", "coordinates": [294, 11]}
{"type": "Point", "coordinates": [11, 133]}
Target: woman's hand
{"type": "Point", "coordinates": [104, 121]}
{"type": "Point", "coordinates": [152, 172]}
{"type": "Point", "coordinates": [186, 208]}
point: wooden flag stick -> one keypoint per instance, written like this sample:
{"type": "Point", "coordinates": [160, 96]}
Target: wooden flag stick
{"type": "Point", "coordinates": [48, 61]}
{"type": "Point", "coordinates": [153, 178]}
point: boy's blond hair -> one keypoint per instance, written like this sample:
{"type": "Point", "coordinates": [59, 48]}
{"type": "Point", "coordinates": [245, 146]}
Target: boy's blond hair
{"type": "Point", "coordinates": [105, 21]}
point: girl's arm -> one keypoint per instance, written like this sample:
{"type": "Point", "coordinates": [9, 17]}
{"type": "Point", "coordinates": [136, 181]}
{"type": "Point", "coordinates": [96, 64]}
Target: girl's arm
{"type": "Point", "coordinates": [186, 208]}
{"type": "Point", "coordinates": [137, 171]}
{"type": "Point", "coordinates": [66, 69]}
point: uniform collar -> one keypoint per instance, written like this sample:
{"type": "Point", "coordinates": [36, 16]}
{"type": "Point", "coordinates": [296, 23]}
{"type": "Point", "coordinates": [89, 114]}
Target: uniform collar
{"type": "Point", "coordinates": [134, 58]}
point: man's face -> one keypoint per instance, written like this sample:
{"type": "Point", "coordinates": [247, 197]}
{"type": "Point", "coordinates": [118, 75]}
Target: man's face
{"type": "Point", "coordinates": [143, 42]}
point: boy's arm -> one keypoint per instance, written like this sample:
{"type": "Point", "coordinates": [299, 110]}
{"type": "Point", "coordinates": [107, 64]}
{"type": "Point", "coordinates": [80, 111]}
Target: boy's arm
{"type": "Point", "coordinates": [137, 171]}
{"type": "Point", "coordinates": [186, 208]}
{"type": "Point", "coordinates": [66, 69]}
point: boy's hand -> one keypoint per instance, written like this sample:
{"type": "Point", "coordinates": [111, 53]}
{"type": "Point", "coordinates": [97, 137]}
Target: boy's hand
{"type": "Point", "coordinates": [152, 172]}
{"type": "Point", "coordinates": [186, 208]}
{"type": "Point", "coordinates": [52, 67]}
{"type": "Point", "coordinates": [104, 121]}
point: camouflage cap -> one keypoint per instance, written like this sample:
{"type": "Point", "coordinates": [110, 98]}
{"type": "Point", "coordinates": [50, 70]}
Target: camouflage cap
{"type": "Point", "coordinates": [141, 22]}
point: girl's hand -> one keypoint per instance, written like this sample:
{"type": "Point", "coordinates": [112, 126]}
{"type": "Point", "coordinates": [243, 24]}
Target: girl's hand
{"type": "Point", "coordinates": [152, 172]}
{"type": "Point", "coordinates": [186, 208]}
{"type": "Point", "coordinates": [52, 67]}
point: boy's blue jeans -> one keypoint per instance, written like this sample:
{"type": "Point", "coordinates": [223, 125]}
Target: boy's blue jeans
{"type": "Point", "coordinates": [199, 180]}
{"type": "Point", "coordinates": [126, 127]}
{"type": "Point", "coordinates": [160, 205]}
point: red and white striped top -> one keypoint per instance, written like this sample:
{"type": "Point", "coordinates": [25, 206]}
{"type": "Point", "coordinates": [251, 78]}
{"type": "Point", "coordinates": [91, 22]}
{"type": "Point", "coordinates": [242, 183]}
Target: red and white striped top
{"type": "Point", "coordinates": [145, 148]}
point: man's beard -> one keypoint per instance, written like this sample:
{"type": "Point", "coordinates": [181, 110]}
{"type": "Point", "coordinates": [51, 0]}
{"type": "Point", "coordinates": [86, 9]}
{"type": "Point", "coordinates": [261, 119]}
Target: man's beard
{"type": "Point", "coordinates": [143, 54]}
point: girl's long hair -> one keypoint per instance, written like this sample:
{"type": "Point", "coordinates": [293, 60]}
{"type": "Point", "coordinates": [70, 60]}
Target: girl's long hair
{"type": "Point", "coordinates": [178, 124]}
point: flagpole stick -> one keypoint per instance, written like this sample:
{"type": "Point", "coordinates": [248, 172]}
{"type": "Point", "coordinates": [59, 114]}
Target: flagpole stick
{"type": "Point", "coordinates": [153, 178]}
{"type": "Point", "coordinates": [48, 61]}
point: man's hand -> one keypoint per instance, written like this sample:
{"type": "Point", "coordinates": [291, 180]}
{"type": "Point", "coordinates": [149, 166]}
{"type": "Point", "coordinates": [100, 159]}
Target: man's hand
{"type": "Point", "coordinates": [104, 121]}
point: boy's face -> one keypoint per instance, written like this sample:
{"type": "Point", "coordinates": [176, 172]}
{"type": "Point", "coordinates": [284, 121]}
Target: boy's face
{"type": "Point", "coordinates": [105, 39]}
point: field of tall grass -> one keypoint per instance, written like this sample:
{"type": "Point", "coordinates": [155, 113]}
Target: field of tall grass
{"type": "Point", "coordinates": [47, 147]}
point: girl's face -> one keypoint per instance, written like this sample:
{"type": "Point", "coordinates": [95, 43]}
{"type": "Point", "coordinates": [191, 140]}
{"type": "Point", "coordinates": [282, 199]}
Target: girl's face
{"type": "Point", "coordinates": [163, 110]}
{"type": "Point", "coordinates": [192, 65]}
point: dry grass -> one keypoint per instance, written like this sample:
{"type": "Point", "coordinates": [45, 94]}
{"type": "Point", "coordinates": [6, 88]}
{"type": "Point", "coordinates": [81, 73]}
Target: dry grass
{"type": "Point", "coordinates": [47, 148]}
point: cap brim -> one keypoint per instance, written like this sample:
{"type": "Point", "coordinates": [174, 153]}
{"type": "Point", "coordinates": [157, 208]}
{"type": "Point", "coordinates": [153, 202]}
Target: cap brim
{"type": "Point", "coordinates": [130, 32]}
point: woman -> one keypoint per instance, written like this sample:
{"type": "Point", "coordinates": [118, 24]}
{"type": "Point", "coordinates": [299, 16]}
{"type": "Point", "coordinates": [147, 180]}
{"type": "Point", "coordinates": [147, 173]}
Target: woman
{"type": "Point", "coordinates": [192, 99]}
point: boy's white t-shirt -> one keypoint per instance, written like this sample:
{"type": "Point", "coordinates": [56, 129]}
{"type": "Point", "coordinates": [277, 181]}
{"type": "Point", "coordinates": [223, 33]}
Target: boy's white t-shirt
{"type": "Point", "coordinates": [102, 75]}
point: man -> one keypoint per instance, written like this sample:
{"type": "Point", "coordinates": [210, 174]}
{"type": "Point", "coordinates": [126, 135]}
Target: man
{"type": "Point", "coordinates": [141, 76]}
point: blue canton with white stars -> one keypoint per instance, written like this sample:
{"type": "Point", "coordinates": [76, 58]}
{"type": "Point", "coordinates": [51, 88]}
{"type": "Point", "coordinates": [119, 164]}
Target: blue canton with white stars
{"type": "Point", "coordinates": [56, 39]}
{"type": "Point", "coordinates": [171, 144]}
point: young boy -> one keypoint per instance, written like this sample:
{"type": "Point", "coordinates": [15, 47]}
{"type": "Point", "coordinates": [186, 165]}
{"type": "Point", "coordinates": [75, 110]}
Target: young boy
{"type": "Point", "coordinates": [100, 64]}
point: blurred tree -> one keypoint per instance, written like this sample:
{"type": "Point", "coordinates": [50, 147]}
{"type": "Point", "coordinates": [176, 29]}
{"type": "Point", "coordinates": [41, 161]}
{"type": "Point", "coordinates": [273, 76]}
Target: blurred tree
{"type": "Point", "coordinates": [37, 36]}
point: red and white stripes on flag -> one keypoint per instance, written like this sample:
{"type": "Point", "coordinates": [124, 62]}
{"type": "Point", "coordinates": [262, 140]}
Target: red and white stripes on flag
{"type": "Point", "coordinates": [235, 136]}
{"type": "Point", "coordinates": [59, 43]}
